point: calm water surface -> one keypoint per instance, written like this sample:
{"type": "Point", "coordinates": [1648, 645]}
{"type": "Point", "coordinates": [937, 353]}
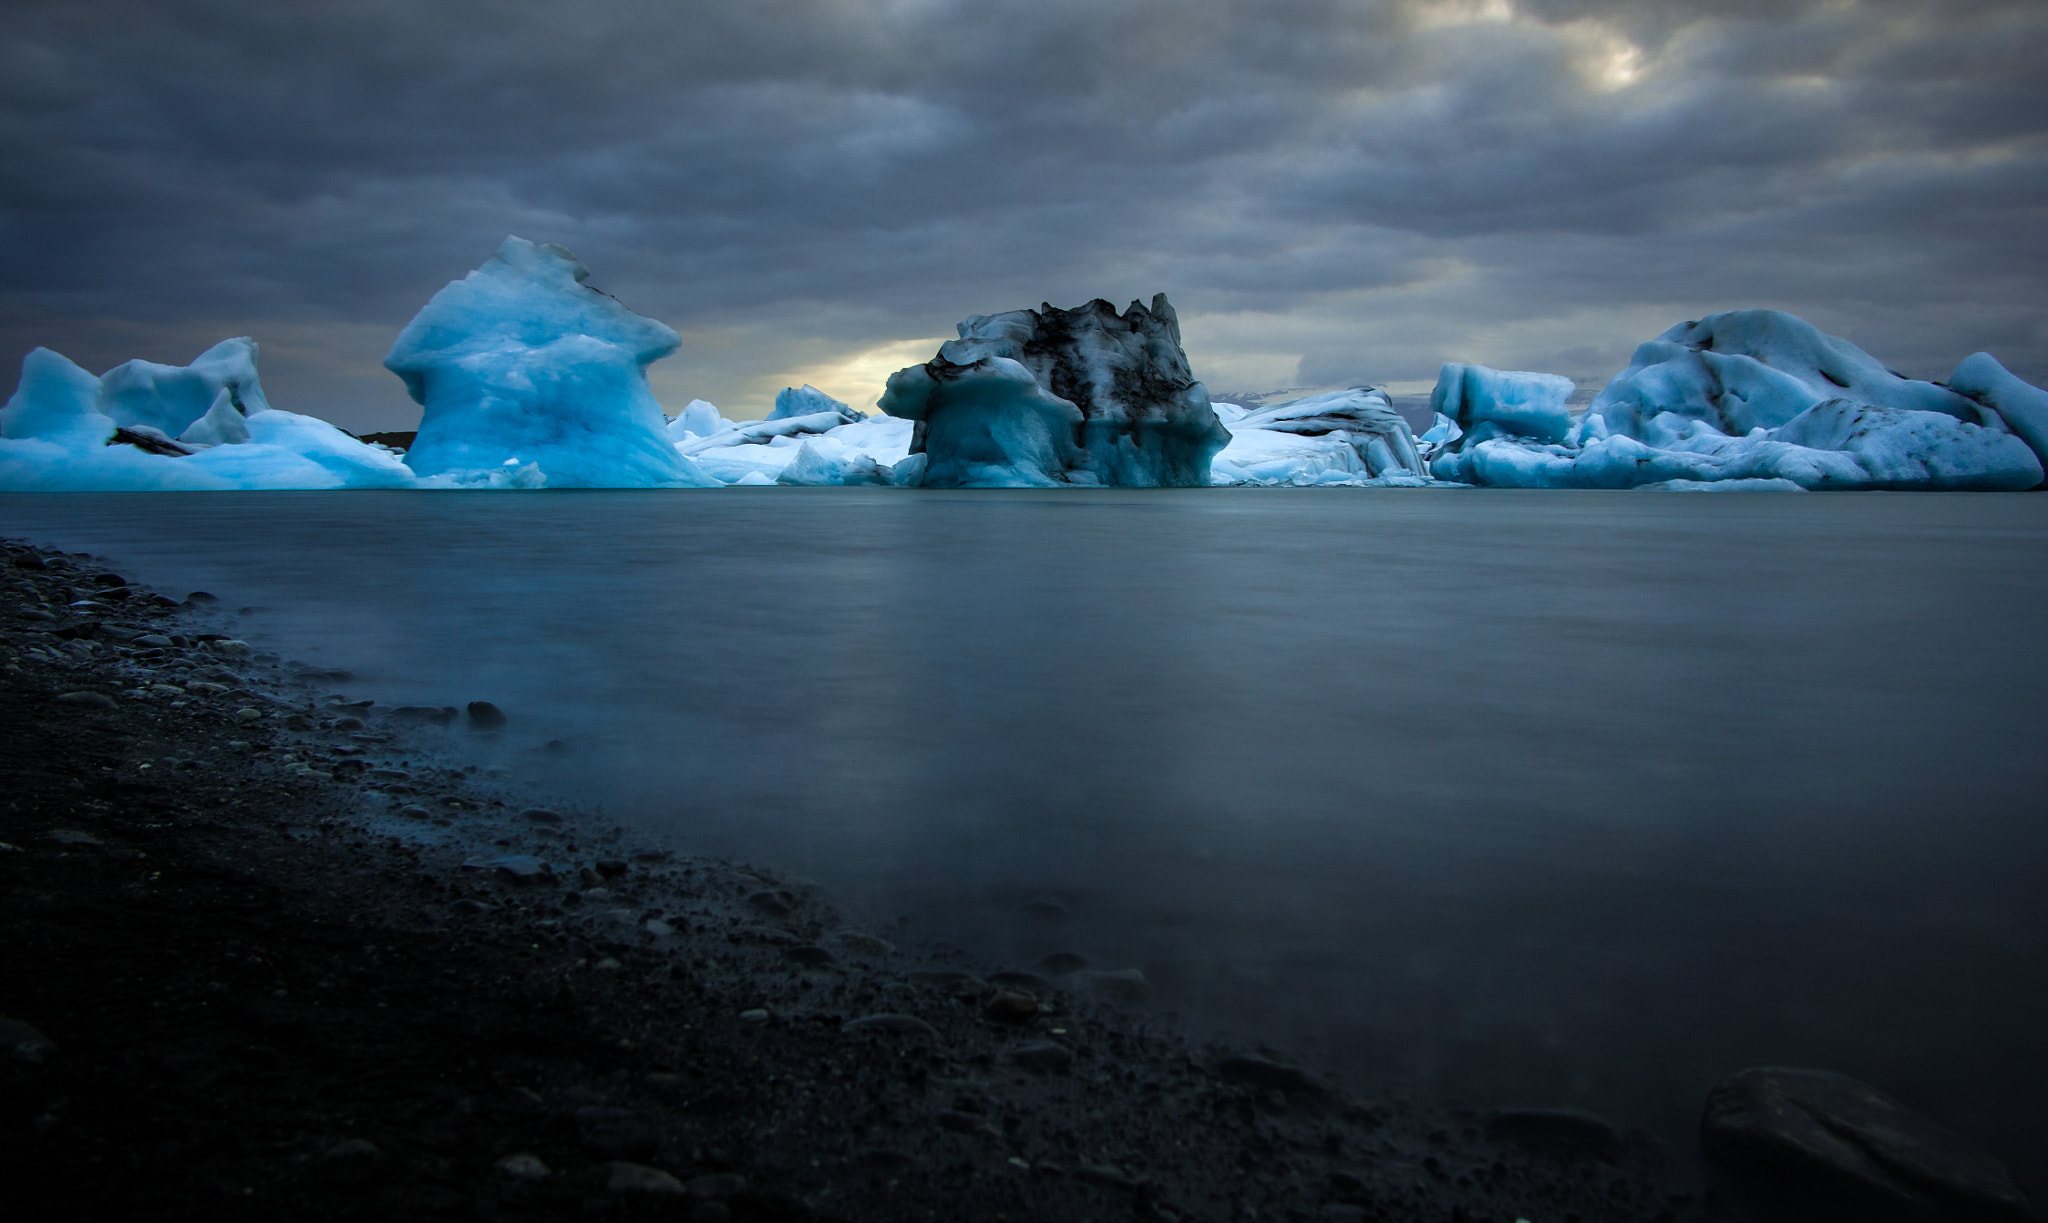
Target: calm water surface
{"type": "Point", "coordinates": [1549, 798]}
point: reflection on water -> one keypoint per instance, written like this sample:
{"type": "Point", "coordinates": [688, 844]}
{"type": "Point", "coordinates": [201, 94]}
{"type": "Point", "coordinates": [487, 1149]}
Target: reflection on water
{"type": "Point", "coordinates": [1528, 798]}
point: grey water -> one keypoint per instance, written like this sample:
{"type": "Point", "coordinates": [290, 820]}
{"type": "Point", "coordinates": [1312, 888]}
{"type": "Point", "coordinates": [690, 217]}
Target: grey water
{"type": "Point", "coordinates": [1501, 798]}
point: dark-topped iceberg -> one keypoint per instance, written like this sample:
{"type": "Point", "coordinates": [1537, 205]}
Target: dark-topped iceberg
{"type": "Point", "coordinates": [1048, 397]}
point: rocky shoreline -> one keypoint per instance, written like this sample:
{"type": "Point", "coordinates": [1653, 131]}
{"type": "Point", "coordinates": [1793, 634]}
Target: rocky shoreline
{"type": "Point", "coordinates": [275, 954]}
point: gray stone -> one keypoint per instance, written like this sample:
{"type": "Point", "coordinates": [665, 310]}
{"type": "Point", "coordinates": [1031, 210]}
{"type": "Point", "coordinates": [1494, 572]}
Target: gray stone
{"type": "Point", "coordinates": [1818, 1145]}
{"type": "Point", "coordinates": [810, 956]}
{"type": "Point", "coordinates": [905, 1025]}
{"type": "Point", "coordinates": [1043, 1057]}
{"type": "Point", "coordinates": [88, 700]}
{"type": "Point", "coordinates": [1125, 985]}
{"type": "Point", "coordinates": [540, 815]}
{"type": "Point", "coordinates": [523, 1167]}
{"type": "Point", "coordinates": [639, 1179]}
{"type": "Point", "coordinates": [21, 1043]}
{"type": "Point", "coordinates": [1269, 1075]}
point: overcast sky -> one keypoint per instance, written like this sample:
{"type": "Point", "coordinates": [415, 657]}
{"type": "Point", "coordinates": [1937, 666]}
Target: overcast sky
{"type": "Point", "coordinates": [1330, 191]}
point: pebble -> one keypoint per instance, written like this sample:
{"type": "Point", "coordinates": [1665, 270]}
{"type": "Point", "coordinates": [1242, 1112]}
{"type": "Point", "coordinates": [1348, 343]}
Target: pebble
{"type": "Point", "coordinates": [1556, 1131]}
{"type": "Point", "coordinates": [1043, 1057]}
{"type": "Point", "coordinates": [467, 905]}
{"type": "Point", "coordinates": [411, 811]}
{"type": "Point", "coordinates": [540, 815]}
{"type": "Point", "coordinates": [247, 715]}
{"type": "Point", "coordinates": [523, 1167]}
{"type": "Point", "coordinates": [909, 1025]}
{"type": "Point", "coordinates": [608, 964]}
{"type": "Point", "coordinates": [1011, 1006]}
{"type": "Point", "coordinates": [72, 836]}
{"type": "Point", "coordinates": [90, 700]}
{"type": "Point", "coordinates": [863, 944]}
{"type": "Point", "coordinates": [659, 928]}
{"type": "Point", "coordinates": [774, 904]}
{"type": "Point", "coordinates": [639, 1178]}
{"type": "Point", "coordinates": [155, 641]}
{"type": "Point", "coordinates": [754, 1015]}
{"type": "Point", "coordinates": [810, 956]}
{"type": "Point", "coordinates": [522, 867]}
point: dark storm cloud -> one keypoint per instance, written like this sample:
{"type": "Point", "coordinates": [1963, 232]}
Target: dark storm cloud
{"type": "Point", "coordinates": [1330, 191]}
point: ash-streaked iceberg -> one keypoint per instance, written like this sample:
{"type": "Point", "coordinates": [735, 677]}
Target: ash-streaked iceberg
{"type": "Point", "coordinates": [66, 431]}
{"type": "Point", "coordinates": [1343, 438]}
{"type": "Point", "coordinates": [1050, 398]}
{"type": "Point", "coordinates": [1747, 395]}
{"type": "Point", "coordinates": [521, 367]}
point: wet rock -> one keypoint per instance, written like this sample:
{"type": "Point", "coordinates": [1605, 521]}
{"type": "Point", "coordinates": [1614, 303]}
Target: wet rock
{"type": "Point", "coordinates": [640, 1180]}
{"type": "Point", "coordinates": [810, 956]}
{"type": "Point", "coordinates": [22, 1044]}
{"type": "Point", "coordinates": [1109, 1175]}
{"type": "Point", "coordinates": [246, 714]}
{"type": "Point", "coordinates": [156, 641]}
{"type": "Point", "coordinates": [658, 928]}
{"type": "Point", "coordinates": [774, 904]}
{"type": "Point", "coordinates": [348, 723]}
{"type": "Point", "coordinates": [863, 944]}
{"type": "Point", "coordinates": [1043, 1057]}
{"type": "Point", "coordinates": [438, 716]}
{"type": "Point", "coordinates": [200, 596]}
{"type": "Point", "coordinates": [524, 868]}
{"type": "Point", "coordinates": [652, 857]}
{"type": "Point", "coordinates": [1011, 1006]}
{"type": "Point", "coordinates": [524, 1168]}
{"type": "Point", "coordinates": [87, 700]}
{"type": "Point", "coordinates": [485, 716]}
{"type": "Point", "coordinates": [1063, 963]}
{"type": "Point", "coordinates": [1556, 1131]}
{"type": "Point", "coordinates": [892, 1023]}
{"type": "Point", "coordinates": [958, 984]}
{"type": "Point", "coordinates": [349, 1162]}
{"type": "Point", "coordinates": [413, 811]}
{"type": "Point", "coordinates": [755, 1015]}
{"type": "Point", "coordinates": [610, 868]}
{"type": "Point", "coordinates": [468, 905]}
{"type": "Point", "coordinates": [1268, 1075]}
{"type": "Point", "coordinates": [1817, 1145]}
{"type": "Point", "coordinates": [1045, 908]}
{"type": "Point", "coordinates": [540, 815]}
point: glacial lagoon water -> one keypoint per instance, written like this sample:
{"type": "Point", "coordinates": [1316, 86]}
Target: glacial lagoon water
{"type": "Point", "coordinates": [1547, 798]}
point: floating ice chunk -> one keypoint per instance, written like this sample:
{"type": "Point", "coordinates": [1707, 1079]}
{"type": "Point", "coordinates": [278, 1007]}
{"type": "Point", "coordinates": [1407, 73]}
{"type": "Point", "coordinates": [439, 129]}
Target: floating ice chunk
{"type": "Point", "coordinates": [56, 439]}
{"type": "Point", "coordinates": [172, 397]}
{"type": "Point", "coordinates": [765, 432]}
{"type": "Point", "coordinates": [1362, 417]}
{"type": "Point", "coordinates": [2022, 406]}
{"type": "Point", "coordinates": [755, 479]}
{"type": "Point", "coordinates": [521, 359]}
{"type": "Point", "coordinates": [1049, 397]}
{"type": "Point", "coordinates": [223, 424]}
{"type": "Point", "coordinates": [1748, 369]}
{"type": "Point", "coordinates": [808, 400]}
{"type": "Point", "coordinates": [1515, 402]}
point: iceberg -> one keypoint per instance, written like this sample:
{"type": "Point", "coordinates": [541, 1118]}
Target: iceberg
{"type": "Point", "coordinates": [1754, 395]}
{"type": "Point", "coordinates": [1347, 438]}
{"type": "Point", "coordinates": [859, 450]}
{"type": "Point", "coordinates": [1049, 398]}
{"type": "Point", "coordinates": [520, 364]}
{"type": "Point", "coordinates": [66, 431]}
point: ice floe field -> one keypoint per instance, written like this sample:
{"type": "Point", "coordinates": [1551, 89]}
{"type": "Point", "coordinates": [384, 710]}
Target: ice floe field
{"type": "Point", "coordinates": [528, 378]}
{"type": "Point", "coordinates": [1580, 798]}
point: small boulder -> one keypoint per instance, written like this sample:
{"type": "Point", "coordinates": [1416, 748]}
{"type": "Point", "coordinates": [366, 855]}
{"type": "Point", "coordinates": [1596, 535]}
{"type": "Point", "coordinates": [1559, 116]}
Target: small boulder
{"type": "Point", "coordinates": [1822, 1146]}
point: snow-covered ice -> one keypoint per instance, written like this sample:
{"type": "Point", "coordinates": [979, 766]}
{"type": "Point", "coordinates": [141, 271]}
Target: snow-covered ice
{"type": "Point", "coordinates": [699, 418]}
{"type": "Point", "coordinates": [1050, 398]}
{"type": "Point", "coordinates": [1346, 438]}
{"type": "Point", "coordinates": [808, 400]}
{"type": "Point", "coordinates": [520, 365]}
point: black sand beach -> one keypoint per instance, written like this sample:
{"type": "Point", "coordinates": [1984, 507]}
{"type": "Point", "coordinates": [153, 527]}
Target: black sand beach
{"type": "Point", "coordinates": [271, 955]}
